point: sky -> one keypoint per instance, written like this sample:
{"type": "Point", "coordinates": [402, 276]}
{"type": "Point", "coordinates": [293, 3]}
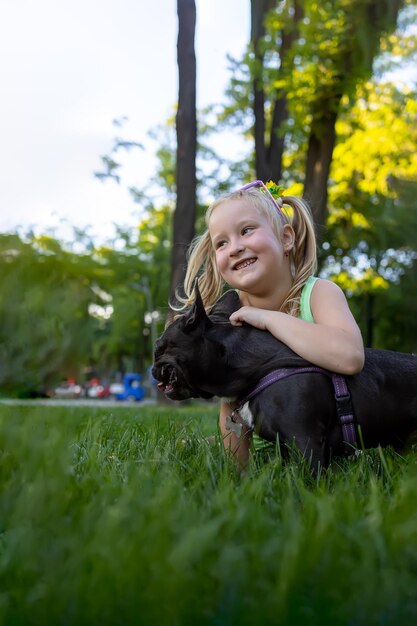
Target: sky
{"type": "Point", "coordinates": [68, 68]}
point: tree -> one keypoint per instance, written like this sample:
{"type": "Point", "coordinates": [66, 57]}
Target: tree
{"type": "Point", "coordinates": [357, 27]}
{"type": "Point", "coordinates": [269, 142]}
{"type": "Point", "coordinates": [45, 327]}
{"type": "Point", "coordinates": [98, 307]}
{"type": "Point", "coordinates": [305, 56]}
{"type": "Point", "coordinates": [371, 235]}
{"type": "Point", "coordinates": [135, 275]}
{"type": "Point", "coordinates": [186, 124]}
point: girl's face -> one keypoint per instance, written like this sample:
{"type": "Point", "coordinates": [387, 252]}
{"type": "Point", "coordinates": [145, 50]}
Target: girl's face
{"type": "Point", "coordinates": [248, 254]}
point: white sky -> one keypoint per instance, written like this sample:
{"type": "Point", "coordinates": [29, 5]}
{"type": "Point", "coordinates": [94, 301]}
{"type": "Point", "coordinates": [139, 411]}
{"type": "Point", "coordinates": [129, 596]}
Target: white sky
{"type": "Point", "coordinates": [67, 69]}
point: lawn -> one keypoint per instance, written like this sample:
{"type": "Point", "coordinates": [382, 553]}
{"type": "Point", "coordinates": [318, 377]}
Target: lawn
{"type": "Point", "coordinates": [128, 516]}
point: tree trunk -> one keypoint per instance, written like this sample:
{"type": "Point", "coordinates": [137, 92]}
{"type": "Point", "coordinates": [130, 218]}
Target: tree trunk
{"type": "Point", "coordinates": [186, 126]}
{"type": "Point", "coordinates": [366, 20]}
{"type": "Point", "coordinates": [360, 46]}
{"type": "Point", "coordinates": [269, 147]}
{"type": "Point", "coordinates": [259, 9]}
{"type": "Point", "coordinates": [319, 158]}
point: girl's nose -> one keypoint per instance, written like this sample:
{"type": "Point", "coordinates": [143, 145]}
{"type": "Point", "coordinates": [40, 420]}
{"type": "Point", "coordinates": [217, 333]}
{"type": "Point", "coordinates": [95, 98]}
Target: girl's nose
{"type": "Point", "coordinates": [236, 247]}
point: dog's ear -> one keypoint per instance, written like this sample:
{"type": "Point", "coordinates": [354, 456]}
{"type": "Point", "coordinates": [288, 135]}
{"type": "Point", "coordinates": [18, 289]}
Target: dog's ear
{"type": "Point", "coordinates": [226, 305]}
{"type": "Point", "coordinates": [197, 315]}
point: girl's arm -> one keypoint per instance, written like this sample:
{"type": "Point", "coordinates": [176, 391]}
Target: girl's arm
{"type": "Point", "coordinates": [238, 446]}
{"type": "Point", "coordinates": [333, 342]}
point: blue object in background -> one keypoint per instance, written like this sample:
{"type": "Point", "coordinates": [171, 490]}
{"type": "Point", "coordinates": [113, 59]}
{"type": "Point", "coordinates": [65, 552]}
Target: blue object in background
{"type": "Point", "coordinates": [133, 390]}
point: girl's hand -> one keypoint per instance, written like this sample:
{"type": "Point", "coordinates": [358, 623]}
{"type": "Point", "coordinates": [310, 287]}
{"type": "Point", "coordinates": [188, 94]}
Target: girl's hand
{"type": "Point", "coordinates": [333, 342]}
{"type": "Point", "coordinates": [250, 315]}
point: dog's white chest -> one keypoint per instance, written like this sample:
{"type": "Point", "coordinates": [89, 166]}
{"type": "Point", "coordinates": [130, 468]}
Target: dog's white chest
{"type": "Point", "coordinates": [246, 415]}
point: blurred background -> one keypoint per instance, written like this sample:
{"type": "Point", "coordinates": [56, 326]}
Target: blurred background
{"type": "Point", "coordinates": [121, 121]}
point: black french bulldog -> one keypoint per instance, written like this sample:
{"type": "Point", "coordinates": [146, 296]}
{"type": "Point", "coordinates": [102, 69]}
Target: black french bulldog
{"type": "Point", "coordinates": [201, 356]}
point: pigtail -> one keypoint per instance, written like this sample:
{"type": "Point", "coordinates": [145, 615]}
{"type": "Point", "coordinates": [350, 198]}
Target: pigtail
{"type": "Point", "coordinates": [201, 264]}
{"type": "Point", "coordinates": [304, 252]}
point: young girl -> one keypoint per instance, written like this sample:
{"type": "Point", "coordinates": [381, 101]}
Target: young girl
{"type": "Point", "coordinates": [265, 248]}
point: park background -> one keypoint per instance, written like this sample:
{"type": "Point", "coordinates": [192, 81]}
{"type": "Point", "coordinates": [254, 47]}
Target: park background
{"type": "Point", "coordinates": [130, 513]}
{"type": "Point", "coordinates": [319, 97]}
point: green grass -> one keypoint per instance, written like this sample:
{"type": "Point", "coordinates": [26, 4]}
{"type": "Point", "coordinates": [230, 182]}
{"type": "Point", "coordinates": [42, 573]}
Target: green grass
{"type": "Point", "coordinates": [128, 516]}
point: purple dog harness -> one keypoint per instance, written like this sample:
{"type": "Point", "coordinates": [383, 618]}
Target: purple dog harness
{"type": "Point", "coordinates": [341, 392]}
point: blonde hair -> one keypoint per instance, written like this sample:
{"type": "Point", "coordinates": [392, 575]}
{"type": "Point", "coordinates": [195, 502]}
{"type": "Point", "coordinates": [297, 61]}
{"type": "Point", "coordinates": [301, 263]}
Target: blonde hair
{"type": "Point", "coordinates": [290, 210]}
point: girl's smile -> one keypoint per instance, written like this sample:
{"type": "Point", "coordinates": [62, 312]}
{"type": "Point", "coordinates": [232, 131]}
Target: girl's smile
{"type": "Point", "coordinates": [246, 263]}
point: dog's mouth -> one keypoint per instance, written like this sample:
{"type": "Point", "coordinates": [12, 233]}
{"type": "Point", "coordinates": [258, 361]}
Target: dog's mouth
{"type": "Point", "coordinates": [169, 379]}
{"type": "Point", "coordinates": [175, 383]}
{"type": "Point", "coordinates": [172, 381]}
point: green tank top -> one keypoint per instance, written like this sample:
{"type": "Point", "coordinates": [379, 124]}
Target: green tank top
{"type": "Point", "coordinates": [305, 308]}
{"type": "Point", "coordinates": [306, 315]}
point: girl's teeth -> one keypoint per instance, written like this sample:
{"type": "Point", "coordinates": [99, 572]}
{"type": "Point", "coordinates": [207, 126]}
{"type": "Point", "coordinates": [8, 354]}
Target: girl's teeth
{"type": "Point", "coordinates": [245, 264]}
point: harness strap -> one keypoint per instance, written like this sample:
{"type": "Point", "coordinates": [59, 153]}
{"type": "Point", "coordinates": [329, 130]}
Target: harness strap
{"type": "Point", "coordinates": [341, 393]}
{"type": "Point", "coordinates": [345, 411]}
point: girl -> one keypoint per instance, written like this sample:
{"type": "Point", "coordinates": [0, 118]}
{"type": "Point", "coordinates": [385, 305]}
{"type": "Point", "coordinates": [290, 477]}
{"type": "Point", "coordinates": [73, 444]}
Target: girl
{"type": "Point", "coordinates": [265, 248]}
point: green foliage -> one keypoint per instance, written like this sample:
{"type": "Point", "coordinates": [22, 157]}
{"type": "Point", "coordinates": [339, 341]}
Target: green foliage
{"type": "Point", "coordinates": [398, 49]}
{"type": "Point", "coordinates": [164, 138]}
{"type": "Point", "coordinates": [129, 516]}
{"type": "Point", "coordinates": [135, 274]}
{"type": "Point", "coordinates": [61, 310]}
{"type": "Point", "coordinates": [377, 142]}
{"type": "Point", "coordinates": [332, 50]}
{"type": "Point", "coordinates": [371, 233]}
{"type": "Point", "coordinates": [44, 321]}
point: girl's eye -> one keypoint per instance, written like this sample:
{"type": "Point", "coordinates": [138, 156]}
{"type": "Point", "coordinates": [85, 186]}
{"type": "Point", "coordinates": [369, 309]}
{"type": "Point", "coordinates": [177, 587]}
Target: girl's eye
{"type": "Point", "coordinates": [247, 229]}
{"type": "Point", "coordinates": [219, 244]}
